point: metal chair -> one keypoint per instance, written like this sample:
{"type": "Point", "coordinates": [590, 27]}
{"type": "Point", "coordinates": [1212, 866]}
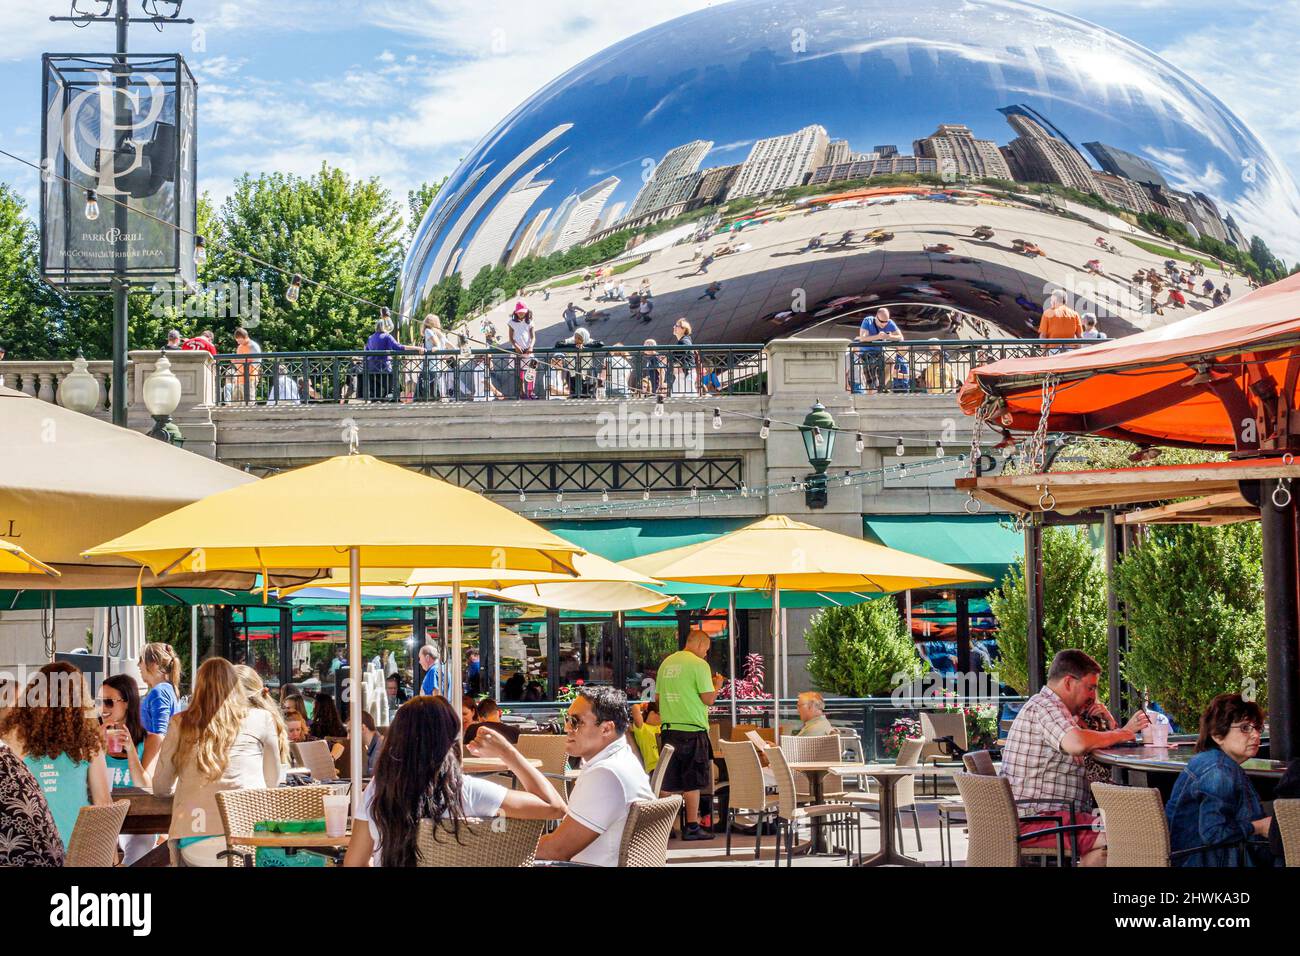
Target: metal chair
{"type": "Point", "coordinates": [94, 835]}
{"type": "Point", "coordinates": [992, 823]}
{"type": "Point", "coordinates": [315, 756]}
{"type": "Point", "coordinates": [661, 768]}
{"type": "Point", "coordinates": [747, 792]}
{"type": "Point", "coordinates": [242, 810]}
{"type": "Point", "coordinates": [646, 832]}
{"type": "Point", "coordinates": [497, 842]}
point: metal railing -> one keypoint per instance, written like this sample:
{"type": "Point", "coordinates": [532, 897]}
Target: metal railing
{"type": "Point", "coordinates": [303, 378]}
{"type": "Point", "coordinates": [940, 366]}
{"type": "Point", "coordinates": [870, 717]}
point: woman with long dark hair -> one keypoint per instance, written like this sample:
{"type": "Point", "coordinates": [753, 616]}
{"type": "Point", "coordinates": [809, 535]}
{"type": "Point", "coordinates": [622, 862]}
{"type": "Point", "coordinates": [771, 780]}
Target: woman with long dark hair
{"type": "Point", "coordinates": [418, 776]}
{"type": "Point", "coordinates": [326, 722]}
{"type": "Point", "coordinates": [119, 713]}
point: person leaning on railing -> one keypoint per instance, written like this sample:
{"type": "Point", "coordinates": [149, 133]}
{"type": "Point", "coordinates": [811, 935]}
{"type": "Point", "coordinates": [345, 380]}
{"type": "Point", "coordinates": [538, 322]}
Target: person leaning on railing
{"type": "Point", "coordinates": [875, 329]}
{"type": "Point", "coordinates": [381, 384]}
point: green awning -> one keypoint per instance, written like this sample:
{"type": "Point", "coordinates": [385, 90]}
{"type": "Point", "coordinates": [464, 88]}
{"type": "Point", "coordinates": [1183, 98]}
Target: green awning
{"type": "Point", "coordinates": [35, 600]}
{"type": "Point", "coordinates": [619, 540]}
{"type": "Point", "coordinates": [979, 543]}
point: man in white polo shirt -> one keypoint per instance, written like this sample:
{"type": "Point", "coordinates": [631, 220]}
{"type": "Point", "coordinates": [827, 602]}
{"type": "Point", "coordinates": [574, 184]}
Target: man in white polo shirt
{"type": "Point", "coordinates": [612, 779]}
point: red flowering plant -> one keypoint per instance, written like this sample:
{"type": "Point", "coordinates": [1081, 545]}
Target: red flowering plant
{"type": "Point", "coordinates": [903, 728]}
{"type": "Point", "coordinates": [748, 687]}
{"type": "Point", "coordinates": [981, 721]}
{"type": "Point", "coordinates": [568, 692]}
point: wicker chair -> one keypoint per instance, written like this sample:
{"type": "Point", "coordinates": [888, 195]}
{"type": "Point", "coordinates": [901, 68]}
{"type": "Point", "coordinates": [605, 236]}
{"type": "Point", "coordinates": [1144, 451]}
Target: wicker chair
{"type": "Point", "coordinates": [498, 843]}
{"type": "Point", "coordinates": [951, 810]}
{"type": "Point", "coordinates": [1287, 813]}
{"type": "Point", "coordinates": [979, 762]}
{"type": "Point", "coordinates": [904, 792]}
{"type": "Point", "coordinates": [241, 810]}
{"type": "Point", "coordinates": [1137, 830]}
{"type": "Point", "coordinates": [94, 835]}
{"type": "Point", "coordinates": [645, 835]}
{"type": "Point", "coordinates": [789, 814]}
{"type": "Point", "coordinates": [549, 749]}
{"type": "Point", "coordinates": [945, 736]}
{"type": "Point", "coordinates": [748, 794]}
{"type": "Point", "coordinates": [992, 823]}
{"type": "Point", "coordinates": [826, 748]}
{"type": "Point", "coordinates": [315, 756]}
{"type": "Point", "coordinates": [661, 768]}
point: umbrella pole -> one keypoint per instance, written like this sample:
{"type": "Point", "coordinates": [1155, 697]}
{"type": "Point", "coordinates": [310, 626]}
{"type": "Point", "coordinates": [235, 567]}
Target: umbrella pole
{"type": "Point", "coordinates": [454, 691]}
{"type": "Point", "coordinates": [354, 698]}
{"type": "Point", "coordinates": [194, 645]}
{"type": "Point", "coordinates": [777, 637]}
{"type": "Point", "coordinates": [731, 650]}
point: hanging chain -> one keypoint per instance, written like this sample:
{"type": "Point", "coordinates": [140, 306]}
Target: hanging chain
{"type": "Point", "coordinates": [114, 628]}
{"type": "Point", "coordinates": [981, 419]}
{"type": "Point", "coordinates": [1036, 452]}
{"type": "Point", "coordinates": [49, 624]}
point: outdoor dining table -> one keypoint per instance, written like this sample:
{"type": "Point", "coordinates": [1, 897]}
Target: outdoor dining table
{"type": "Point", "coordinates": [480, 766]}
{"type": "Point", "coordinates": [887, 775]}
{"type": "Point", "coordinates": [1159, 767]}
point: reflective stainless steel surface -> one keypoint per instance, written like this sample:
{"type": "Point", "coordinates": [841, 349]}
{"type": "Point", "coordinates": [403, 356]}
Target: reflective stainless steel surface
{"type": "Point", "coordinates": [774, 167]}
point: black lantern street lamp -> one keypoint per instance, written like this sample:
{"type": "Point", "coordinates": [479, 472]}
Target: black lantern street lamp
{"type": "Point", "coordinates": [818, 431]}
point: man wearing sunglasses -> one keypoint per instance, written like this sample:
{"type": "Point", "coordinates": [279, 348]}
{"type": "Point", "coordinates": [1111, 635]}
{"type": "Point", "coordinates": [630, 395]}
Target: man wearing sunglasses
{"type": "Point", "coordinates": [612, 779]}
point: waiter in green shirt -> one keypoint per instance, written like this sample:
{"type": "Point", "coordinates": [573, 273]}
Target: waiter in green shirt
{"type": "Point", "coordinates": [685, 689]}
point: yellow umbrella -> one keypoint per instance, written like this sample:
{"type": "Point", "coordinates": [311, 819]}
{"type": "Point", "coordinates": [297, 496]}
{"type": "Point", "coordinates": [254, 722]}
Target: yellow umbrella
{"type": "Point", "coordinates": [69, 481]}
{"type": "Point", "coordinates": [14, 560]}
{"type": "Point", "coordinates": [349, 512]}
{"type": "Point", "coordinates": [778, 553]}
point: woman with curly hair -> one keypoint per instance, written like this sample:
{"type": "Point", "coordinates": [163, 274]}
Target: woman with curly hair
{"type": "Point", "coordinates": [219, 743]}
{"type": "Point", "coordinates": [54, 730]}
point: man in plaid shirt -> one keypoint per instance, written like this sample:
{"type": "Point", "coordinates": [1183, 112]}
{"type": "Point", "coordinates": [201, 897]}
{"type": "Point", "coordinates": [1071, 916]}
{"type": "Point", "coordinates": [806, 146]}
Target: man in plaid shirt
{"type": "Point", "coordinates": [1043, 758]}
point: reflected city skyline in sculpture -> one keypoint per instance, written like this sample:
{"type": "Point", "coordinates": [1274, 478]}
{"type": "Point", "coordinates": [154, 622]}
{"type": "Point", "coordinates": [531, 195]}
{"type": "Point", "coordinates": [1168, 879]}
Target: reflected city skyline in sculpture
{"type": "Point", "coordinates": [927, 124]}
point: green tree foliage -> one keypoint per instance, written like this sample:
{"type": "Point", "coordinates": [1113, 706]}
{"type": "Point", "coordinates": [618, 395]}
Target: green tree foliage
{"type": "Point", "coordinates": [1074, 606]}
{"type": "Point", "coordinates": [1195, 601]}
{"type": "Point", "coordinates": [33, 319]}
{"type": "Point", "coordinates": [858, 651]}
{"type": "Point", "coordinates": [418, 202]}
{"type": "Point", "coordinates": [328, 227]}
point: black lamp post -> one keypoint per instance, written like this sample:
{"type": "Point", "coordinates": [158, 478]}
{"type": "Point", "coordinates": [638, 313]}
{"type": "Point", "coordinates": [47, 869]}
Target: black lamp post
{"type": "Point", "coordinates": [818, 431]}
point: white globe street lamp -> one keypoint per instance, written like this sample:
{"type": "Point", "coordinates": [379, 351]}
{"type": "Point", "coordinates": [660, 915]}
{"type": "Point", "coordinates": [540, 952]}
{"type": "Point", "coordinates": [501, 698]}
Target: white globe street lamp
{"type": "Point", "coordinates": [162, 394]}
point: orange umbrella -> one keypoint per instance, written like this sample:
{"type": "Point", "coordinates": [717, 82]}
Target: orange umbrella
{"type": "Point", "coordinates": [1224, 379]}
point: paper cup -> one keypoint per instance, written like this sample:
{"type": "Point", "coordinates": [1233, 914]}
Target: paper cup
{"type": "Point", "coordinates": [336, 814]}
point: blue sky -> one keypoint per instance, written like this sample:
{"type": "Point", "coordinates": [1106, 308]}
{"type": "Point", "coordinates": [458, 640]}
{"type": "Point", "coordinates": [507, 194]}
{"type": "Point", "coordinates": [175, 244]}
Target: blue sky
{"type": "Point", "coordinates": [402, 89]}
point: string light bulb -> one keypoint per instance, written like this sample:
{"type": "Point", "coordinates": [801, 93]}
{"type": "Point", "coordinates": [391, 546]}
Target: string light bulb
{"type": "Point", "coordinates": [899, 450]}
{"type": "Point", "coordinates": [604, 496]}
{"type": "Point", "coordinates": [860, 444]}
{"type": "Point", "coordinates": [92, 206]}
{"type": "Point", "coordinates": [659, 406]}
{"type": "Point", "coordinates": [645, 496]}
{"type": "Point", "coordinates": [766, 429]}
{"type": "Point", "coordinates": [522, 497]}
{"type": "Point", "coordinates": [938, 451]}
{"type": "Point", "coordinates": [200, 251]}
{"type": "Point", "coordinates": [744, 490]}
{"type": "Point", "coordinates": [717, 419]}
{"type": "Point", "coordinates": [292, 293]}
{"type": "Point", "coordinates": [695, 492]}
{"type": "Point", "coordinates": [559, 497]}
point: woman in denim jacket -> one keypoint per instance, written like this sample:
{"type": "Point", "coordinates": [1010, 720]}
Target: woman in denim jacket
{"type": "Point", "coordinates": [1213, 800]}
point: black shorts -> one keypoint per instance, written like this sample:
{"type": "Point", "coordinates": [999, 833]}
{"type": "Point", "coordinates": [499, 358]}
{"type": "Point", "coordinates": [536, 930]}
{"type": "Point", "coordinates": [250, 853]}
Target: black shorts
{"type": "Point", "coordinates": [691, 766]}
